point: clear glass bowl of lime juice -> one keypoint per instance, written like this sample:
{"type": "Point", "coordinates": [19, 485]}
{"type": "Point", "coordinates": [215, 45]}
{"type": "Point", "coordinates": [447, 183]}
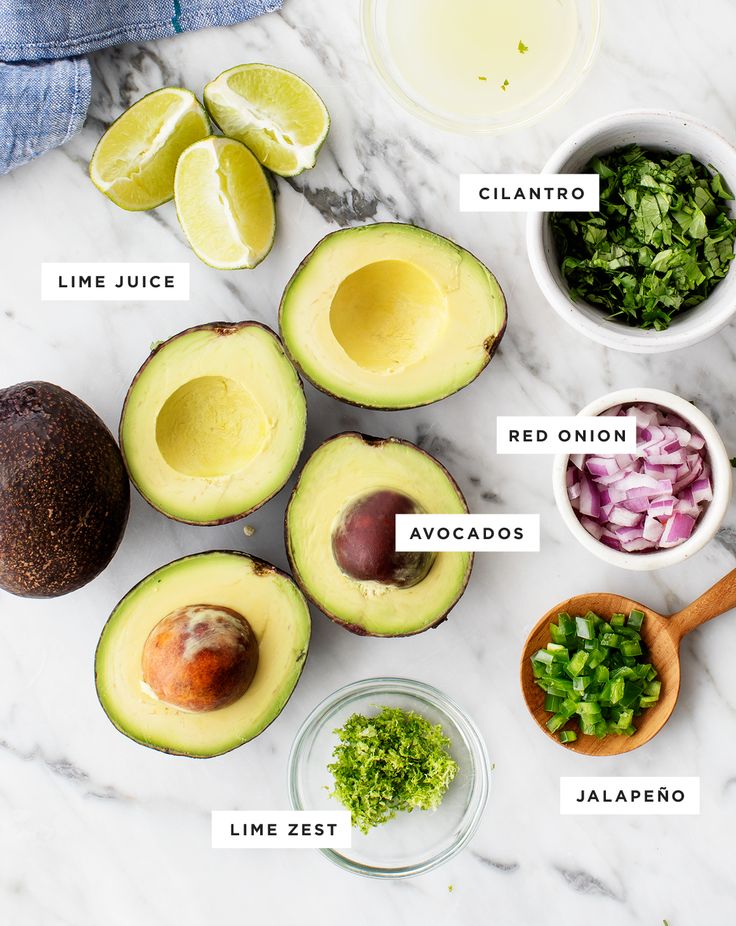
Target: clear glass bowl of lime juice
{"type": "Point", "coordinates": [481, 66]}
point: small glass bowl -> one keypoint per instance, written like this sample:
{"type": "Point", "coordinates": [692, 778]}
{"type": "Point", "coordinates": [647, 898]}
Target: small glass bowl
{"type": "Point", "coordinates": [411, 843]}
{"type": "Point", "coordinates": [375, 39]}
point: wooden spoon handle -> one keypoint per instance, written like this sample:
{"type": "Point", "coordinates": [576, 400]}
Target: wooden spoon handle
{"type": "Point", "coordinates": [717, 600]}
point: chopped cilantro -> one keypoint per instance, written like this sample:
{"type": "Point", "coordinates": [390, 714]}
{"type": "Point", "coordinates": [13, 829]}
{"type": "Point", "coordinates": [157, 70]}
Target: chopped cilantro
{"type": "Point", "coordinates": [523, 49]}
{"type": "Point", "coordinates": [394, 761]}
{"type": "Point", "coordinates": [733, 462]}
{"type": "Point", "coordinates": [662, 240]}
{"type": "Point", "coordinates": [505, 85]}
{"type": "Point", "coordinates": [482, 78]}
{"type": "Point", "coordinates": [450, 888]}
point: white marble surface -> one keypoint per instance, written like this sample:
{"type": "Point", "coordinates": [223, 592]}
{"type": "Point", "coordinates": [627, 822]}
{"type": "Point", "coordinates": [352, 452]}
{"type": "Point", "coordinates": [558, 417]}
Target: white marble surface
{"type": "Point", "coordinates": [95, 829]}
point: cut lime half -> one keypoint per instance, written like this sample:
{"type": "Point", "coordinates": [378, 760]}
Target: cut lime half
{"type": "Point", "coordinates": [272, 111]}
{"type": "Point", "coordinates": [224, 204]}
{"type": "Point", "coordinates": [135, 160]}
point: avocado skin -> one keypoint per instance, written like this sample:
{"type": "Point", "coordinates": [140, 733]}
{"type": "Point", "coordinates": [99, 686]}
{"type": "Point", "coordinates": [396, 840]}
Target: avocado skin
{"type": "Point", "coordinates": [64, 492]}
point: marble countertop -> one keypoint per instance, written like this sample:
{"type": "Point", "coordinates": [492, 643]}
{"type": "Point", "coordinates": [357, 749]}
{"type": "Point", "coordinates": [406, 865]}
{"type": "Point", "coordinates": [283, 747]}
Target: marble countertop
{"type": "Point", "coordinates": [95, 829]}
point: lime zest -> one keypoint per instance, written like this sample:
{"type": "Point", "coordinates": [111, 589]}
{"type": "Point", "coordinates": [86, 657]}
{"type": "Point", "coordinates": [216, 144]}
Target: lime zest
{"type": "Point", "coordinates": [395, 761]}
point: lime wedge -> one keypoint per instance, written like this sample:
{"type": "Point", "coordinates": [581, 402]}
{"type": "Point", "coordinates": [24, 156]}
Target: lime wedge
{"type": "Point", "coordinates": [134, 161]}
{"type": "Point", "coordinates": [272, 111]}
{"type": "Point", "coordinates": [224, 204]}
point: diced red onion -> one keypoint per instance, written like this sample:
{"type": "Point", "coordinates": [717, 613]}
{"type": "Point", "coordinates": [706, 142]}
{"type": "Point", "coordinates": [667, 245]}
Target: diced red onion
{"type": "Point", "coordinates": [648, 500]}
{"type": "Point", "coordinates": [589, 499]}
{"type": "Point", "coordinates": [677, 530]}
{"type": "Point", "coordinates": [602, 466]}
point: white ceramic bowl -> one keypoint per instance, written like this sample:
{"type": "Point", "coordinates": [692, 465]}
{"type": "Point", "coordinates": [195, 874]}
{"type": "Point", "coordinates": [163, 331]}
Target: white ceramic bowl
{"type": "Point", "coordinates": [667, 131]}
{"type": "Point", "coordinates": [711, 519]}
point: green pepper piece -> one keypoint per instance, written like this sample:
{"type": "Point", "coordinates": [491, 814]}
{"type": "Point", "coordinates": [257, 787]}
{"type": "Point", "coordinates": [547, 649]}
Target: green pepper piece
{"type": "Point", "coordinates": [568, 736]}
{"type": "Point", "coordinates": [557, 635]}
{"type": "Point", "coordinates": [586, 727]}
{"type": "Point", "coordinates": [542, 656]}
{"type": "Point", "coordinates": [618, 620]}
{"type": "Point", "coordinates": [566, 624]}
{"type": "Point", "coordinates": [577, 663]}
{"type": "Point", "coordinates": [552, 703]}
{"type": "Point", "coordinates": [618, 686]}
{"type": "Point", "coordinates": [584, 628]}
{"type": "Point", "coordinates": [631, 648]}
{"type": "Point", "coordinates": [556, 721]}
{"type": "Point", "coordinates": [636, 619]}
{"type": "Point", "coordinates": [652, 690]}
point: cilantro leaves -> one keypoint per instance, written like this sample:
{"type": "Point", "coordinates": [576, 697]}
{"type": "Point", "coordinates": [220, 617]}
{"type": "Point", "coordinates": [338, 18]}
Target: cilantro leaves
{"type": "Point", "coordinates": [395, 761]}
{"type": "Point", "coordinates": [661, 242]}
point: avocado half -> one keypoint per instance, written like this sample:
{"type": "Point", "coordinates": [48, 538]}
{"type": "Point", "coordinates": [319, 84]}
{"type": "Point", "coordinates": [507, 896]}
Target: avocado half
{"type": "Point", "coordinates": [391, 316]}
{"type": "Point", "coordinates": [214, 422]}
{"type": "Point", "coordinates": [64, 492]}
{"type": "Point", "coordinates": [277, 615]}
{"type": "Point", "coordinates": [340, 472]}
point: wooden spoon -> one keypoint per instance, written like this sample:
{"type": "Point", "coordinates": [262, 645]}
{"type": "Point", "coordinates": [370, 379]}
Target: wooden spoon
{"type": "Point", "coordinates": [662, 636]}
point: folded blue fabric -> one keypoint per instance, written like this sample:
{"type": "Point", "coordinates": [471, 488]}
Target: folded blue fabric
{"type": "Point", "coordinates": [44, 78]}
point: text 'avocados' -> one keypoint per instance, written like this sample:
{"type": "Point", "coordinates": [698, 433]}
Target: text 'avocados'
{"type": "Point", "coordinates": [214, 422]}
{"type": "Point", "coordinates": [203, 654]}
{"type": "Point", "coordinates": [341, 536]}
{"type": "Point", "coordinates": [391, 316]}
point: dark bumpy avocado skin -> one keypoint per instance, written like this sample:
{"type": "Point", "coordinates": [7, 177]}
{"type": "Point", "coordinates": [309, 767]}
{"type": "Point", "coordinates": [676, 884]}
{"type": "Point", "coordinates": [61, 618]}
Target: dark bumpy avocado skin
{"type": "Point", "coordinates": [64, 492]}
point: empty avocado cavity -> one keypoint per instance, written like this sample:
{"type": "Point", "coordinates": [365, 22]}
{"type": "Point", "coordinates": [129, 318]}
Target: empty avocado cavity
{"type": "Point", "coordinates": [391, 316]}
{"type": "Point", "coordinates": [214, 422]}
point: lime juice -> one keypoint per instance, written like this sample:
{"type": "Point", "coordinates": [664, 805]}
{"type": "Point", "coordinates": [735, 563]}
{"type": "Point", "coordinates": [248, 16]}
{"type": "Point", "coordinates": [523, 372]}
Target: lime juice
{"type": "Point", "coordinates": [480, 58]}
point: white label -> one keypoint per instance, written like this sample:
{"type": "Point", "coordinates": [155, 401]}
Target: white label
{"type": "Point", "coordinates": [573, 434]}
{"type": "Point", "coordinates": [467, 533]}
{"type": "Point", "coordinates": [529, 192]}
{"type": "Point", "coordinates": [281, 829]}
{"type": "Point", "coordinates": [107, 282]}
{"type": "Point", "coordinates": [626, 796]}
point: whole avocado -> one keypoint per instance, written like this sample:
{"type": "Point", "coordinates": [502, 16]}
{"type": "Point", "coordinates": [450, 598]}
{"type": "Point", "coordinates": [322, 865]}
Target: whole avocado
{"type": "Point", "coordinates": [64, 492]}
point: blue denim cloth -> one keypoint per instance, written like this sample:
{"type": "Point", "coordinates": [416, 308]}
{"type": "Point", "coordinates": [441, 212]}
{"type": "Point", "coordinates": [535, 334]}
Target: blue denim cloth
{"type": "Point", "coordinates": [44, 78]}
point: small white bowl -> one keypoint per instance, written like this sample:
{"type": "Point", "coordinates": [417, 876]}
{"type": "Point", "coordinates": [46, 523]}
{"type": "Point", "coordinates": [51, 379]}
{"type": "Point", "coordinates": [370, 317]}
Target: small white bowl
{"type": "Point", "coordinates": [659, 130]}
{"type": "Point", "coordinates": [709, 522]}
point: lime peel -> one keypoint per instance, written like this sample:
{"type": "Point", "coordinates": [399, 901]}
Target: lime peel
{"type": "Point", "coordinates": [394, 761]}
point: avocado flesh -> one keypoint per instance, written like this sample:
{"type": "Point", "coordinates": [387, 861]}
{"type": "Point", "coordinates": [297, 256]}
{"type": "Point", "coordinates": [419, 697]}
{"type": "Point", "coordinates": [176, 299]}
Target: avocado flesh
{"type": "Point", "coordinates": [391, 316]}
{"type": "Point", "coordinates": [64, 492]}
{"type": "Point", "coordinates": [278, 615]}
{"type": "Point", "coordinates": [343, 469]}
{"type": "Point", "coordinates": [214, 423]}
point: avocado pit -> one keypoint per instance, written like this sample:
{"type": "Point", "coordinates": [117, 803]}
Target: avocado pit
{"type": "Point", "coordinates": [200, 658]}
{"type": "Point", "coordinates": [364, 541]}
